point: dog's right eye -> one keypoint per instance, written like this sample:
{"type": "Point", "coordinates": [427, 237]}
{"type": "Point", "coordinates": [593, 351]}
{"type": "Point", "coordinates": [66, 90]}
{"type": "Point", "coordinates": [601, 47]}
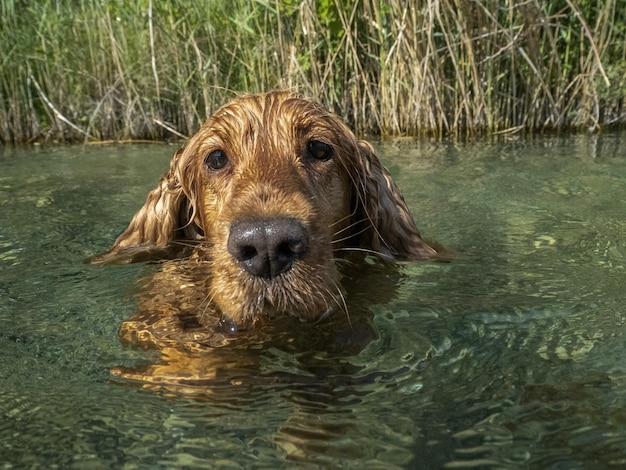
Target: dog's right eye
{"type": "Point", "coordinates": [320, 151]}
{"type": "Point", "coordinates": [216, 160]}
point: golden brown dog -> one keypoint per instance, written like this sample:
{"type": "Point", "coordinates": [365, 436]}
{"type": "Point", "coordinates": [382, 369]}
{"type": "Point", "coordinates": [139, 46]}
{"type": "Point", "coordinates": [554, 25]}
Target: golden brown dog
{"type": "Point", "coordinates": [272, 191]}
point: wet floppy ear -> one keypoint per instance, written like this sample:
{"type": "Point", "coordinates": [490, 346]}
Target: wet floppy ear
{"type": "Point", "coordinates": [165, 217]}
{"type": "Point", "coordinates": [390, 229]}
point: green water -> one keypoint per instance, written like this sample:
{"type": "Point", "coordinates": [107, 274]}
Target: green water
{"type": "Point", "coordinates": [513, 355]}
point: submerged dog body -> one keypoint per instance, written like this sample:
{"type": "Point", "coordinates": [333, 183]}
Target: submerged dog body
{"type": "Point", "coordinates": [275, 189]}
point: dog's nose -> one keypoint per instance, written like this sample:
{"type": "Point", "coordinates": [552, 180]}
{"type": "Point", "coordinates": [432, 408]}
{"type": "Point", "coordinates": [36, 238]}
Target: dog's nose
{"type": "Point", "coordinates": [268, 247]}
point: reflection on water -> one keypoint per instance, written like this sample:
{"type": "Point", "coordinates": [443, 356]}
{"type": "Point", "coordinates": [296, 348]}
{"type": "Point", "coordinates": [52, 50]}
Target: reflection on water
{"type": "Point", "coordinates": [511, 355]}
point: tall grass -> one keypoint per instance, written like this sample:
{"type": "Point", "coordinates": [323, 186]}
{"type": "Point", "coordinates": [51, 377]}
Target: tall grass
{"type": "Point", "coordinates": [143, 69]}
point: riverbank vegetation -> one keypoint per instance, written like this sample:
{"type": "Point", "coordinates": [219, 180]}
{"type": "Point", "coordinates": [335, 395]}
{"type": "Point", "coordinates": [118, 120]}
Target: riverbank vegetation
{"type": "Point", "coordinates": [121, 69]}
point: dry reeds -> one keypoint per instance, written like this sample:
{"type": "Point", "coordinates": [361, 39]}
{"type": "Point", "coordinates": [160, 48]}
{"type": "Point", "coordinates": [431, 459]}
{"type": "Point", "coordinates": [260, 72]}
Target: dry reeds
{"type": "Point", "coordinates": [95, 70]}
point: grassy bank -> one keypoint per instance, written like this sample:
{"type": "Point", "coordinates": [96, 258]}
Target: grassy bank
{"type": "Point", "coordinates": [140, 69]}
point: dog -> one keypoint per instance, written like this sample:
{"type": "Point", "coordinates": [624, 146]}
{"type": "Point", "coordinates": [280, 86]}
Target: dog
{"type": "Point", "coordinates": [265, 200]}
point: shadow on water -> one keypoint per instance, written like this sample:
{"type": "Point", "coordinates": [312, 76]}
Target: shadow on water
{"type": "Point", "coordinates": [510, 356]}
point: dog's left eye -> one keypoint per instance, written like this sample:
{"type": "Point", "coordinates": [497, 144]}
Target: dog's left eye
{"type": "Point", "coordinates": [216, 160]}
{"type": "Point", "coordinates": [319, 150]}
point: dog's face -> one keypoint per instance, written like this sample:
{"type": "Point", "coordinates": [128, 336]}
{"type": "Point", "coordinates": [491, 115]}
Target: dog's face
{"type": "Point", "coordinates": [275, 188]}
{"type": "Point", "coordinates": [274, 203]}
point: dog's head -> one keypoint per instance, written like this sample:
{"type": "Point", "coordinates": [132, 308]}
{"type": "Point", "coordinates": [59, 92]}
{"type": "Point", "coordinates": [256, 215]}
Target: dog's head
{"type": "Point", "coordinates": [275, 188]}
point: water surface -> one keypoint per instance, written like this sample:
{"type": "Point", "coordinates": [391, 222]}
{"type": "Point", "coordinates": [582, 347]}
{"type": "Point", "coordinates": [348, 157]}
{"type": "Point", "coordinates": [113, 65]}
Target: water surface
{"type": "Point", "coordinates": [513, 355]}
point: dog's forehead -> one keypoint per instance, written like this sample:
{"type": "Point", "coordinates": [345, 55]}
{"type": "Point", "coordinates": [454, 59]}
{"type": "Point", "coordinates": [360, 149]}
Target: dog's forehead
{"type": "Point", "coordinates": [273, 123]}
{"type": "Point", "coordinates": [283, 114]}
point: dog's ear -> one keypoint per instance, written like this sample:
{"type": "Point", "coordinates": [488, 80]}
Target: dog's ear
{"type": "Point", "coordinates": [166, 216]}
{"type": "Point", "coordinates": [389, 227]}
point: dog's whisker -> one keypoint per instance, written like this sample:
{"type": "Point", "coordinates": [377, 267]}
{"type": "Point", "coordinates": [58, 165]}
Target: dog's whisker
{"type": "Point", "coordinates": [354, 223]}
{"type": "Point", "coordinates": [209, 301]}
{"type": "Point", "coordinates": [341, 262]}
{"type": "Point", "coordinates": [349, 216]}
{"type": "Point", "coordinates": [186, 243]}
{"type": "Point", "coordinates": [357, 249]}
{"type": "Point", "coordinates": [341, 220]}
{"type": "Point", "coordinates": [348, 237]}
{"type": "Point", "coordinates": [343, 305]}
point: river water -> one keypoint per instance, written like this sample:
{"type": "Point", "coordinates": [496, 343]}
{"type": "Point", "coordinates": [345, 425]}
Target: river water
{"type": "Point", "coordinates": [511, 355]}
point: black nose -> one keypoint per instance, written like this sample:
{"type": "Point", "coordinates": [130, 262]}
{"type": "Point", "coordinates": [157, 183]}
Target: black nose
{"type": "Point", "coordinates": [268, 247]}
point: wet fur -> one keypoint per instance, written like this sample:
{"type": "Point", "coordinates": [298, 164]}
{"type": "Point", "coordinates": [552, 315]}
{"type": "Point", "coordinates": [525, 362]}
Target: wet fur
{"type": "Point", "coordinates": [348, 202]}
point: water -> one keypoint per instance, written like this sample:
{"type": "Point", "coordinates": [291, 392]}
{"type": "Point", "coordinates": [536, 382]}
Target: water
{"type": "Point", "coordinates": [513, 355]}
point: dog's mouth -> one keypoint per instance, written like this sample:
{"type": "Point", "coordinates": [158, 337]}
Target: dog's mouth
{"type": "Point", "coordinates": [306, 291]}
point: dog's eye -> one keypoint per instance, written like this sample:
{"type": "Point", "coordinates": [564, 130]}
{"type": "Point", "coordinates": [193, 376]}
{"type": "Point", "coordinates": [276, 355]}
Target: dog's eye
{"type": "Point", "coordinates": [216, 160]}
{"type": "Point", "coordinates": [319, 150]}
